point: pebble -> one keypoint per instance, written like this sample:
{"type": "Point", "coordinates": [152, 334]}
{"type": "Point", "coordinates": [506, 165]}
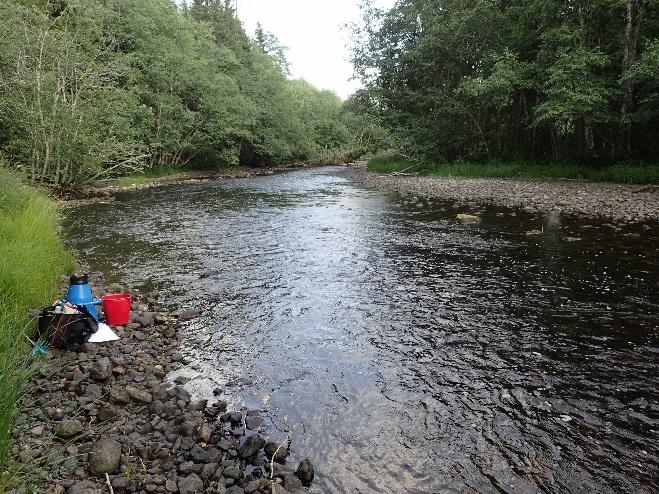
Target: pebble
{"type": "Point", "coordinates": [69, 428]}
{"type": "Point", "coordinates": [105, 456]}
{"type": "Point", "coordinates": [101, 370]}
{"type": "Point", "coordinates": [191, 484]}
{"type": "Point", "coordinates": [83, 487]}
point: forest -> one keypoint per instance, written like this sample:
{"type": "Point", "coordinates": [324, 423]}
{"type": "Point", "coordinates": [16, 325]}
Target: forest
{"type": "Point", "coordinates": [100, 88]}
{"type": "Point", "coordinates": [483, 80]}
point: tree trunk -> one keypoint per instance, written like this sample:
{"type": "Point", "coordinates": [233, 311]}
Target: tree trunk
{"type": "Point", "coordinates": [589, 140]}
{"type": "Point", "coordinates": [635, 10]}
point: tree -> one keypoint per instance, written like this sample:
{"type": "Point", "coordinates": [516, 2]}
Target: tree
{"type": "Point", "coordinates": [485, 79]}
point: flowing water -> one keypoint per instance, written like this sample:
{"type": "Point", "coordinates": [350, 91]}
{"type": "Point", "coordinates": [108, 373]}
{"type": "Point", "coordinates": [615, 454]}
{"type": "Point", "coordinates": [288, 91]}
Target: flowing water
{"type": "Point", "coordinates": [404, 351]}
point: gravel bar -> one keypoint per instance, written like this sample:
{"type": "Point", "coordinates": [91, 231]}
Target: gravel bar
{"type": "Point", "coordinates": [618, 203]}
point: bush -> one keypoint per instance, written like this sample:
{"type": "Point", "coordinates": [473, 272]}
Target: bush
{"type": "Point", "coordinates": [631, 172]}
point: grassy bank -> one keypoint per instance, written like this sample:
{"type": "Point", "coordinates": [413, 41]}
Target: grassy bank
{"type": "Point", "coordinates": [631, 173]}
{"type": "Point", "coordinates": [146, 175]}
{"type": "Point", "coordinates": [32, 260]}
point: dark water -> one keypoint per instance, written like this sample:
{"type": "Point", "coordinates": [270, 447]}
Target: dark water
{"type": "Point", "coordinates": [402, 350]}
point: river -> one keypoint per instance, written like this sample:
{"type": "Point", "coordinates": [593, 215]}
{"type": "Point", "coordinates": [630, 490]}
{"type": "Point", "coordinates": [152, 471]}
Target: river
{"type": "Point", "coordinates": [402, 350]}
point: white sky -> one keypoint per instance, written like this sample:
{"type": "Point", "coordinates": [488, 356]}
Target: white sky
{"type": "Point", "coordinates": [312, 31]}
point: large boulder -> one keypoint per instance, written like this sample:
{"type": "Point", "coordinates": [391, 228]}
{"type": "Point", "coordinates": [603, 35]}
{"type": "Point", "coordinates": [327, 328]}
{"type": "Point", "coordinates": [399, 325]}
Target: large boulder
{"type": "Point", "coordinates": [105, 456]}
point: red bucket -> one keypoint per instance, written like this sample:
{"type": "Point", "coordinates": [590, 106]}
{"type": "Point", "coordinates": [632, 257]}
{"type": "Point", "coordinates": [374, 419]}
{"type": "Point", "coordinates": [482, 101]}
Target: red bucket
{"type": "Point", "coordinates": [116, 308]}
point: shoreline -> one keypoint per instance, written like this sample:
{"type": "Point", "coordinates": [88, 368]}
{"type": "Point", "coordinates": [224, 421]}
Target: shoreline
{"type": "Point", "coordinates": [104, 190]}
{"type": "Point", "coordinates": [619, 203]}
{"type": "Point", "coordinates": [111, 409]}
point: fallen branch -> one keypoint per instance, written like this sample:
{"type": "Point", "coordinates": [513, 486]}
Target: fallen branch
{"type": "Point", "coordinates": [107, 481]}
{"type": "Point", "coordinates": [401, 172]}
{"type": "Point", "coordinates": [272, 460]}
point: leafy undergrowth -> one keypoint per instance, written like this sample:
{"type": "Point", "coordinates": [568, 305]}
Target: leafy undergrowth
{"type": "Point", "coordinates": [630, 173]}
{"type": "Point", "coordinates": [32, 261]}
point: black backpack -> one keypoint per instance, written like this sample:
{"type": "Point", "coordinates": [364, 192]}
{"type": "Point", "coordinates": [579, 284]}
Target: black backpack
{"type": "Point", "coordinates": [66, 331]}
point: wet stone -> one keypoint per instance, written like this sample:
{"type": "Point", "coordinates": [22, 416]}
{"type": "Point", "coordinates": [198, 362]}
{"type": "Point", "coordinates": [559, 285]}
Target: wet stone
{"type": "Point", "coordinates": [276, 451]}
{"type": "Point", "coordinates": [199, 405]}
{"type": "Point", "coordinates": [305, 472]}
{"type": "Point", "coordinates": [251, 446]}
{"type": "Point", "coordinates": [253, 422]}
{"type": "Point", "coordinates": [182, 380]}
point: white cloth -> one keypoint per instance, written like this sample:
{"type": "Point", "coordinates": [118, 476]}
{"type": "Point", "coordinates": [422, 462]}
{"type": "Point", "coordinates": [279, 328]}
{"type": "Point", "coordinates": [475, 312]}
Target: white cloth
{"type": "Point", "coordinates": [103, 334]}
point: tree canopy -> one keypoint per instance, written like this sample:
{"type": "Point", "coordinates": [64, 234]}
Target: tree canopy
{"type": "Point", "coordinates": [541, 79]}
{"type": "Point", "coordinates": [96, 88]}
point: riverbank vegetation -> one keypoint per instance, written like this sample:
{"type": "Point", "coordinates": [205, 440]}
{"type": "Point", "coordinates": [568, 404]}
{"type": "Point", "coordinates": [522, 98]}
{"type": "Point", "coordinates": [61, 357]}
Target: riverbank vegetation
{"type": "Point", "coordinates": [536, 83]}
{"type": "Point", "coordinates": [630, 173]}
{"type": "Point", "coordinates": [108, 88]}
{"type": "Point", "coordinates": [32, 260]}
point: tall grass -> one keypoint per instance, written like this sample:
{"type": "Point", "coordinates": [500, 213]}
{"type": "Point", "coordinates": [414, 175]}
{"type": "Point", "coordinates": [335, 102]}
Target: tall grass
{"type": "Point", "coordinates": [32, 261]}
{"type": "Point", "coordinates": [632, 173]}
{"type": "Point", "coordinates": [391, 163]}
{"type": "Point", "coordinates": [144, 176]}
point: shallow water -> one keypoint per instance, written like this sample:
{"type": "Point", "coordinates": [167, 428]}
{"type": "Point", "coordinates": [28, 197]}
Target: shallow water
{"type": "Point", "coordinates": [404, 351]}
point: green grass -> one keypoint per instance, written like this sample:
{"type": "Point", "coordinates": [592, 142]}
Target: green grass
{"type": "Point", "coordinates": [32, 261]}
{"type": "Point", "coordinates": [390, 163]}
{"type": "Point", "coordinates": [143, 177]}
{"type": "Point", "coordinates": [631, 173]}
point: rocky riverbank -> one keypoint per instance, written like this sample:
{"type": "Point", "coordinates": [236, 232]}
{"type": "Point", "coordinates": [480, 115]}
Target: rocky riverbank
{"type": "Point", "coordinates": [104, 190]}
{"type": "Point", "coordinates": [617, 203]}
{"type": "Point", "coordinates": [107, 420]}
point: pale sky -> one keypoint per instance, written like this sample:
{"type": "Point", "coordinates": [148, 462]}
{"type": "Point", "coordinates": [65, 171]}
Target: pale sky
{"type": "Point", "coordinates": [312, 31]}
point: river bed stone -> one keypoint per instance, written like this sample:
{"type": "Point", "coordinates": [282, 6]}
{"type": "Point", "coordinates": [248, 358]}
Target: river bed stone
{"type": "Point", "coordinates": [624, 204]}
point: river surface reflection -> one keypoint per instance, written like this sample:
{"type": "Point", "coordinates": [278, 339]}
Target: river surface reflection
{"type": "Point", "coordinates": [402, 350]}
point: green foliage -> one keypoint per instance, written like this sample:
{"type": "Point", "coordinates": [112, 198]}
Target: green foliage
{"type": "Point", "coordinates": [391, 163]}
{"type": "Point", "coordinates": [106, 88]}
{"type": "Point", "coordinates": [144, 176]}
{"type": "Point", "coordinates": [631, 173]}
{"type": "Point", "coordinates": [32, 260]}
{"type": "Point", "coordinates": [541, 80]}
